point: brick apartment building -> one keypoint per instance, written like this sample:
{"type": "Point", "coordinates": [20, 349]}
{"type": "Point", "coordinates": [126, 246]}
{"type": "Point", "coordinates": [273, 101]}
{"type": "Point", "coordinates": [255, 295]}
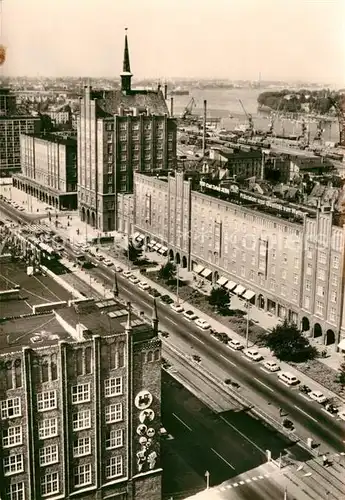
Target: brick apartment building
{"type": "Point", "coordinates": [80, 417]}
{"type": "Point", "coordinates": [120, 132]}
{"type": "Point", "coordinates": [287, 259]}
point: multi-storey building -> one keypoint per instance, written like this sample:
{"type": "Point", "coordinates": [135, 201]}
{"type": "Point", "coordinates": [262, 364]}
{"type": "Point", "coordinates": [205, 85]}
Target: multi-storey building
{"type": "Point", "coordinates": [7, 102]}
{"type": "Point", "coordinates": [119, 132]}
{"type": "Point", "coordinates": [80, 418]}
{"type": "Point", "coordinates": [49, 169]}
{"type": "Point", "coordinates": [11, 126]}
{"type": "Point", "coordinates": [287, 259]}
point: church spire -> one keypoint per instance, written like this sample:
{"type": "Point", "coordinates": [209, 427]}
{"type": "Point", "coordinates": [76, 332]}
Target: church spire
{"type": "Point", "coordinates": [126, 74]}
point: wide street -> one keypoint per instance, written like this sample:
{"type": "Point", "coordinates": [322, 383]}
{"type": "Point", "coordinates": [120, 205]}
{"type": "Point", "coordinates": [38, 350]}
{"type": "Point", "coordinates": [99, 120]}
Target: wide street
{"type": "Point", "coordinates": [225, 444]}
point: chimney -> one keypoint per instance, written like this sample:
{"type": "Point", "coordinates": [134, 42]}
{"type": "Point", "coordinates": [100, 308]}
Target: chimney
{"type": "Point", "coordinates": [171, 107]}
{"type": "Point", "coordinates": [204, 130]}
{"type": "Point", "coordinates": [165, 91]}
{"type": "Point", "coordinates": [128, 328]}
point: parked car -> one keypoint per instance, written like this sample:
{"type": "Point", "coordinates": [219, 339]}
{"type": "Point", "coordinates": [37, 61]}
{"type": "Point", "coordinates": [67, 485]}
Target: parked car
{"type": "Point", "coordinates": [190, 314]}
{"type": "Point", "coordinates": [236, 344]}
{"type": "Point", "coordinates": [253, 354]}
{"type": "Point", "coordinates": [271, 366]}
{"type": "Point", "coordinates": [163, 432]}
{"type": "Point", "coordinates": [202, 323]}
{"type": "Point", "coordinates": [134, 280]}
{"type": "Point", "coordinates": [118, 269]}
{"type": "Point", "coordinates": [176, 307]}
{"type": "Point", "coordinates": [154, 293]}
{"type": "Point", "coordinates": [331, 408]}
{"type": "Point", "coordinates": [108, 262]}
{"type": "Point", "coordinates": [341, 414]}
{"type": "Point", "coordinates": [127, 274]}
{"type": "Point", "coordinates": [143, 285]}
{"type": "Point", "coordinates": [305, 389]}
{"type": "Point", "coordinates": [317, 396]}
{"type": "Point", "coordinates": [166, 299]}
{"type": "Point", "coordinates": [288, 378]}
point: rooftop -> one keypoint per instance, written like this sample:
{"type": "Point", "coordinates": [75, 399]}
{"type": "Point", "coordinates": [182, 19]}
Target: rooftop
{"type": "Point", "coordinates": [109, 102]}
{"type": "Point", "coordinates": [66, 140]}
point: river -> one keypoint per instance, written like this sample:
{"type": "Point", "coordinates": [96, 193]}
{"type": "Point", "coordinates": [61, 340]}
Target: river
{"type": "Point", "coordinates": [222, 103]}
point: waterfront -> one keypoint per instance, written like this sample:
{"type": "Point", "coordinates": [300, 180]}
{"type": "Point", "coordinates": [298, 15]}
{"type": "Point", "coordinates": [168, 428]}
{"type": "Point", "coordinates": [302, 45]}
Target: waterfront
{"type": "Point", "coordinates": [222, 103]}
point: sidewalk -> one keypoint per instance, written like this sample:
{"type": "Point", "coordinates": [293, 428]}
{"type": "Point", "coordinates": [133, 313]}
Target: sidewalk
{"type": "Point", "coordinates": [221, 328]}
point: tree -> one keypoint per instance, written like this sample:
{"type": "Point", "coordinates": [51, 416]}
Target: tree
{"type": "Point", "coordinates": [288, 343]}
{"type": "Point", "coordinates": [219, 298]}
{"type": "Point", "coordinates": [133, 253]}
{"type": "Point", "coordinates": [341, 375]}
{"type": "Point", "coordinates": [167, 272]}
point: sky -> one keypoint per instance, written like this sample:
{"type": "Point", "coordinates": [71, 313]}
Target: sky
{"type": "Point", "coordinates": [230, 39]}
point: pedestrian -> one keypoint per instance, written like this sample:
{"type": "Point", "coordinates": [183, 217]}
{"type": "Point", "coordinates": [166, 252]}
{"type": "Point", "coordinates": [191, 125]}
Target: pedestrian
{"type": "Point", "coordinates": [324, 460]}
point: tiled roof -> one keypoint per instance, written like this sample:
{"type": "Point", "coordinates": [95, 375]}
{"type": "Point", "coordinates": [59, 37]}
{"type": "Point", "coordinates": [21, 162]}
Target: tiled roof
{"type": "Point", "coordinates": [109, 102]}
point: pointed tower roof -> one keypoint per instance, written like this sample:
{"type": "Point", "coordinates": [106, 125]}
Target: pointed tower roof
{"type": "Point", "coordinates": [126, 68]}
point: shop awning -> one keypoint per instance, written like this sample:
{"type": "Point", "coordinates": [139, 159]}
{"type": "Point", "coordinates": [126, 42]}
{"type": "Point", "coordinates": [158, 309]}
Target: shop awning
{"type": "Point", "coordinates": [230, 285]}
{"type": "Point", "coordinates": [221, 281]}
{"type": "Point", "coordinates": [151, 244]}
{"type": "Point", "coordinates": [198, 268]}
{"type": "Point", "coordinates": [135, 236]}
{"type": "Point", "coordinates": [239, 290]}
{"type": "Point", "coordinates": [141, 236]}
{"type": "Point", "coordinates": [158, 246]}
{"type": "Point", "coordinates": [206, 272]}
{"type": "Point", "coordinates": [341, 345]}
{"type": "Point", "coordinates": [163, 250]}
{"type": "Point", "coordinates": [248, 295]}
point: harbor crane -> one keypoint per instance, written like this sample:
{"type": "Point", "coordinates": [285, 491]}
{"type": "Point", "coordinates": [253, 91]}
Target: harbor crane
{"type": "Point", "coordinates": [187, 112]}
{"type": "Point", "coordinates": [274, 117]}
{"type": "Point", "coordinates": [250, 120]}
{"type": "Point", "coordinates": [340, 114]}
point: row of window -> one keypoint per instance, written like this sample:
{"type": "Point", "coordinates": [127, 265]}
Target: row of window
{"type": "Point", "coordinates": [50, 482]}
{"type": "Point", "coordinates": [47, 400]}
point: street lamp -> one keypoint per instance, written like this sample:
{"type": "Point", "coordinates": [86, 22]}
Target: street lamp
{"type": "Point", "coordinates": [207, 475]}
{"type": "Point", "coordinates": [247, 325]}
{"type": "Point", "coordinates": [177, 283]}
{"type": "Point", "coordinates": [115, 286]}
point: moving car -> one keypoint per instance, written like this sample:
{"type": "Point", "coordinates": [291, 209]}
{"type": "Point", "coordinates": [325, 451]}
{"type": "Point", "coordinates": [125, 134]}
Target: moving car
{"type": "Point", "coordinates": [196, 358]}
{"type": "Point", "coordinates": [190, 315]}
{"type": "Point", "coordinates": [288, 378]}
{"type": "Point", "coordinates": [305, 389]}
{"type": "Point", "coordinates": [271, 366]}
{"type": "Point", "coordinates": [176, 307]}
{"type": "Point", "coordinates": [127, 274]}
{"type": "Point", "coordinates": [202, 323]}
{"type": "Point", "coordinates": [143, 285]}
{"type": "Point", "coordinates": [236, 344]}
{"type": "Point", "coordinates": [253, 354]}
{"type": "Point", "coordinates": [317, 396]}
{"type": "Point", "coordinates": [134, 279]}
{"type": "Point", "coordinates": [163, 432]}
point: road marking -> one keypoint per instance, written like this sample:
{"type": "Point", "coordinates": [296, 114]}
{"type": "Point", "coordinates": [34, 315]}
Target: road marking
{"type": "Point", "coordinates": [261, 477]}
{"type": "Point", "coordinates": [222, 458]}
{"type": "Point", "coordinates": [264, 369]}
{"type": "Point", "coordinates": [182, 422]}
{"type": "Point", "coordinates": [327, 412]}
{"type": "Point", "coordinates": [229, 486]}
{"type": "Point", "coordinates": [229, 361]}
{"type": "Point", "coordinates": [254, 478]}
{"type": "Point", "coordinates": [196, 338]}
{"type": "Point", "coordinates": [172, 321]}
{"type": "Point", "coordinates": [235, 485]}
{"type": "Point", "coordinates": [305, 413]}
{"type": "Point", "coordinates": [242, 482]}
{"type": "Point", "coordinates": [262, 383]}
{"type": "Point", "coordinates": [248, 480]}
{"type": "Point", "coordinates": [243, 435]}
